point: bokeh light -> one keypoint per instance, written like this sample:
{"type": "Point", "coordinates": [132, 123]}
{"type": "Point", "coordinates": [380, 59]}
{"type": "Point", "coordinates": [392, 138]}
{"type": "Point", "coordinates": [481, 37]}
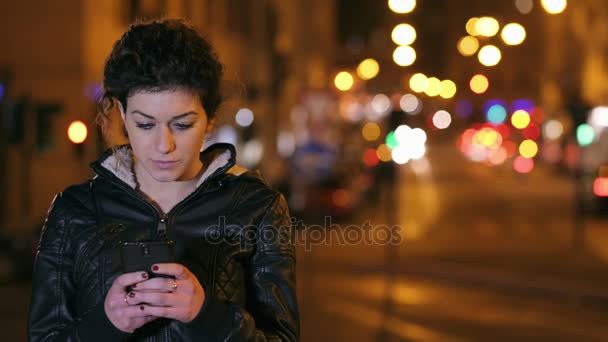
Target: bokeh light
{"type": "Point", "coordinates": [77, 132]}
{"type": "Point", "coordinates": [370, 158]}
{"type": "Point", "coordinates": [479, 84]}
{"type": "Point", "coordinates": [524, 6]}
{"type": "Point", "coordinates": [442, 119]}
{"type": "Point", "coordinates": [286, 144]}
{"type": "Point", "coordinates": [410, 104]}
{"type": "Point", "coordinates": [344, 81]}
{"type": "Point", "coordinates": [468, 45]}
{"type": "Point", "coordinates": [523, 165]}
{"type": "Point", "coordinates": [554, 6]}
{"type": "Point", "coordinates": [433, 87]}
{"type": "Point", "coordinates": [244, 117]}
{"type": "Point", "coordinates": [418, 82]}
{"type": "Point", "coordinates": [497, 156]}
{"type": "Point", "coordinates": [464, 108]}
{"type": "Point", "coordinates": [528, 148]}
{"type": "Point", "coordinates": [585, 135]}
{"type": "Point", "coordinates": [368, 69]}
{"type": "Point", "coordinates": [489, 55]}
{"type": "Point", "coordinates": [391, 140]}
{"type": "Point", "coordinates": [487, 26]}
{"type": "Point", "coordinates": [402, 6]}
{"type": "Point", "coordinates": [471, 26]}
{"type": "Point", "coordinates": [496, 114]}
{"type": "Point", "coordinates": [403, 34]}
{"type": "Point", "coordinates": [448, 89]}
{"type": "Point", "coordinates": [384, 153]}
{"type": "Point", "coordinates": [553, 129]}
{"type": "Point", "coordinates": [400, 155]}
{"type": "Point", "coordinates": [380, 105]}
{"type": "Point", "coordinates": [532, 131]}
{"type": "Point", "coordinates": [520, 119]}
{"type": "Point", "coordinates": [404, 55]}
{"type": "Point", "coordinates": [513, 34]}
{"type": "Point", "coordinates": [370, 131]}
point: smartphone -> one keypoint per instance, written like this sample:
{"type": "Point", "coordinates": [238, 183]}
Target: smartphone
{"type": "Point", "coordinates": [141, 255]}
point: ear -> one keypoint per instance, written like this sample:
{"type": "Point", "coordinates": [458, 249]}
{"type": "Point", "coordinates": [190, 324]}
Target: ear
{"type": "Point", "coordinates": [211, 125]}
{"type": "Point", "coordinates": [122, 111]}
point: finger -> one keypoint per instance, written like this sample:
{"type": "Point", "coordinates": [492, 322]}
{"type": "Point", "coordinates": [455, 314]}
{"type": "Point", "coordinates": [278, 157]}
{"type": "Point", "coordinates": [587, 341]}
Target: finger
{"type": "Point", "coordinates": [157, 299]}
{"type": "Point", "coordinates": [155, 284]}
{"type": "Point", "coordinates": [179, 271]}
{"type": "Point", "coordinates": [127, 279]}
{"type": "Point", "coordinates": [163, 311]}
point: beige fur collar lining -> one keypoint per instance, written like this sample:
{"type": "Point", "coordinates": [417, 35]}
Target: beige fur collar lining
{"type": "Point", "coordinates": [120, 163]}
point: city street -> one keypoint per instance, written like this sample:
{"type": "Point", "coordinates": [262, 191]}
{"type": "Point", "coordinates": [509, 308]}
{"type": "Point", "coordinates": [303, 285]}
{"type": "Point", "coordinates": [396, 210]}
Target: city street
{"type": "Point", "coordinates": [487, 255]}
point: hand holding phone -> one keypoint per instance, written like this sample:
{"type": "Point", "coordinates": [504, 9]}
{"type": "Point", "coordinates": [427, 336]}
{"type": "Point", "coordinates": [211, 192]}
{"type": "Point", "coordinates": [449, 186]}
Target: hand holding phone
{"type": "Point", "coordinates": [141, 255]}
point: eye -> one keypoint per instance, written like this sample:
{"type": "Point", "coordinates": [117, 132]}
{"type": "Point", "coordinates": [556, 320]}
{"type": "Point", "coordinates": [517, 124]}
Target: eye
{"type": "Point", "coordinates": [183, 126]}
{"type": "Point", "coordinates": [145, 126]}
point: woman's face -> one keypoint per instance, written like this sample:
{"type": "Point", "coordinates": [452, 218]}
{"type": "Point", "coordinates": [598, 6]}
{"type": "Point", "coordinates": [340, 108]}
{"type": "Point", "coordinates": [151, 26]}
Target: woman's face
{"type": "Point", "coordinates": [166, 131]}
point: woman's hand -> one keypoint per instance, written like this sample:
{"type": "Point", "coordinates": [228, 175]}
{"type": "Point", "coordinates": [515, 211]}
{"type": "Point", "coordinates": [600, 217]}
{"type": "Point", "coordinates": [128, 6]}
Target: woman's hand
{"type": "Point", "coordinates": [124, 316]}
{"type": "Point", "coordinates": [181, 298]}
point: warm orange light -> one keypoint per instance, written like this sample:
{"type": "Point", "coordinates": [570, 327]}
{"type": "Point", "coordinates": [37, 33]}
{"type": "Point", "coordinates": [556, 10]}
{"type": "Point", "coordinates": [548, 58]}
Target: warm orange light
{"type": "Point", "coordinates": [479, 84]}
{"type": "Point", "coordinates": [600, 187]}
{"type": "Point", "coordinates": [77, 132]}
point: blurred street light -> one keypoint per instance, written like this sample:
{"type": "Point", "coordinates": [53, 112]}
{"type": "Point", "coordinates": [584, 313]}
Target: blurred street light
{"type": "Point", "coordinates": [448, 89]}
{"type": "Point", "coordinates": [479, 84]}
{"type": "Point", "coordinates": [513, 34]}
{"type": "Point", "coordinates": [433, 87]}
{"type": "Point", "coordinates": [489, 55]}
{"type": "Point", "coordinates": [520, 119]}
{"type": "Point", "coordinates": [403, 34]}
{"type": "Point", "coordinates": [77, 132]}
{"type": "Point", "coordinates": [442, 119]}
{"type": "Point", "coordinates": [524, 6]}
{"type": "Point", "coordinates": [471, 26]}
{"type": "Point", "coordinates": [553, 129]}
{"type": "Point", "coordinates": [402, 6]}
{"type": "Point", "coordinates": [368, 69]}
{"type": "Point", "coordinates": [585, 135]}
{"type": "Point", "coordinates": [418, 82]}
{"type": "Point", "coordinates": [344, 81]}
{"type": "Point", "coordinates": [528, 148]}
{"type": "Point", "coordinates": [468, 45]}
{"type": "Point", "coordinates": [383, 152]}
{"type": "Point", "coordinates": [404, 55]}
{"type": "Point", "coordinates": [371, 131]}
{"type": "Point", "coordinates": [487, 26]}
{"type": "Point", "coordinates": [244, 117]}
{"type": "Point", "coordinates": [410, 104]}
{"type": "Point", "coordinates": [554, 6]}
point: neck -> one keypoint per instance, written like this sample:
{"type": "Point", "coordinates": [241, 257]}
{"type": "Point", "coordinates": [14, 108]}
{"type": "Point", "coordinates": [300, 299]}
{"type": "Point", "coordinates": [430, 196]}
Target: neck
{"type": "Point", "coordinates": [165, 194]}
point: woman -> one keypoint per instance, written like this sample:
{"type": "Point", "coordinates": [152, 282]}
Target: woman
{"type": "Point", "coordinates": [234, 272]}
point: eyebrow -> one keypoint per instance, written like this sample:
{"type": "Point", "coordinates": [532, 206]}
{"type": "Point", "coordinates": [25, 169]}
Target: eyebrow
{"type": "Point", "coordinates": [173, 118]}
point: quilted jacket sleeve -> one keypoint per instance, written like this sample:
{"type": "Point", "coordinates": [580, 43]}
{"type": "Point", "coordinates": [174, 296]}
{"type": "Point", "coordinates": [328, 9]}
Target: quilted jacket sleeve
{"type": "Point", "coordinates": [51, 312]}
{"type": "Point", "coordinates": [272, 314]}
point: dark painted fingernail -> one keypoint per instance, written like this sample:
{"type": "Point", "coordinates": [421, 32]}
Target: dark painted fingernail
{"type": "Point", "coordinates": [133, 286]}
{"type": "Point", "coordinates": [141, 308]}
{"type": "Point", "coordinates": [144, 275]}
{"type": "Point", "coordinates": [154, 268]}
{"type": "Point", "coordinates": [131, 294]}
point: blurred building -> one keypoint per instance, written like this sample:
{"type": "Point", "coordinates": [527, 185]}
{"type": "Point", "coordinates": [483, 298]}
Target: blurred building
{"type": "Point", "coordinates": [51, 71]}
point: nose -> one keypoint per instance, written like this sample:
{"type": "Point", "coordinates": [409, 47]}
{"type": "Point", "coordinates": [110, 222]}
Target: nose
{"type": "Point", "coordinates": [165, 142]}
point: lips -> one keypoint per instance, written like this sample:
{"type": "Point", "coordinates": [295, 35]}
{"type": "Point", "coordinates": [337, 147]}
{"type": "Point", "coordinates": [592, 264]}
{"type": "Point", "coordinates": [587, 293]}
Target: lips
{"type": "Point", "coordinates": [164, 164]}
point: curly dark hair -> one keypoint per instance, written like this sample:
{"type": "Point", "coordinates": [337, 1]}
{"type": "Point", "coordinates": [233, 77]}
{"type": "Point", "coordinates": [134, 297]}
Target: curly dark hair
{"type": "Point", "coordinates": [161, 55]}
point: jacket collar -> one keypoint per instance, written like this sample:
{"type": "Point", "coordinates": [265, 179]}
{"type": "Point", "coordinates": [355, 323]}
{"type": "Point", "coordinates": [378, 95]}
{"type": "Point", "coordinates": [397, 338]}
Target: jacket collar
{"type": "Point", "coordinates": [118, 163]}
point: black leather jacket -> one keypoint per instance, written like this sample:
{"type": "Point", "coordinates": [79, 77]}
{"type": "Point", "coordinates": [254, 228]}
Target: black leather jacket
{"type": "Point", "coordinates": [233, 233]}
